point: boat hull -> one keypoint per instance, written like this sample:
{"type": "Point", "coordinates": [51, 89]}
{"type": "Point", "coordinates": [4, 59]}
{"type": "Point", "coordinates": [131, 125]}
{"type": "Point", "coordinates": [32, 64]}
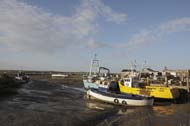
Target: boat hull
{"type": "Point", "coordinates": [159, 92]}
{"type": "Point", "coordinates": [121, 99]}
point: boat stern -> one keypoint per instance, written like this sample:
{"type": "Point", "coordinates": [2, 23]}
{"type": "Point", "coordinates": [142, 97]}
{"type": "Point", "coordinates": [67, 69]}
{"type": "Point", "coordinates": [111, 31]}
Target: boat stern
{"type": "Point", "coordinates": [175, 93]}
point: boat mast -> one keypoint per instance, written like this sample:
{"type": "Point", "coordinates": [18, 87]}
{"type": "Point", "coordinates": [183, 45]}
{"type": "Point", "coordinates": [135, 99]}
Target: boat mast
{"type": "Point", "coordinates": [94, 67]}
{"type": "Point", "coordinates": [144, 65]}
{"type": "Point", "coordinates": [133, 68]}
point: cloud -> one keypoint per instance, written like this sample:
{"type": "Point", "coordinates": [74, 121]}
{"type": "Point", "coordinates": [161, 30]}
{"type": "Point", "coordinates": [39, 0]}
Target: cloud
{"type": "Point", "coordinates": [26, 27]}
{"type": "Point", "coordinates": [108, 13]}
{"type": "Point", "coordinates": [149, 36]}
{"type": "Point", "coordinates": [177, 25]}
{"type": "Point", "coordinates": [138, 40]}
{"type": "Point", "coordinates": [94, 45]}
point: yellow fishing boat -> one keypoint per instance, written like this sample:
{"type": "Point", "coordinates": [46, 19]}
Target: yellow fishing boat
{"type": "Point", "coordinates": [130, 85]}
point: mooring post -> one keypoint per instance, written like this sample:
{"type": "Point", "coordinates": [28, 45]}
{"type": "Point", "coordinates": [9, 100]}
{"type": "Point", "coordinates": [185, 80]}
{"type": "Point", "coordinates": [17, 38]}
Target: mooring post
{"type": "Point", "coordinates": [188, 80]}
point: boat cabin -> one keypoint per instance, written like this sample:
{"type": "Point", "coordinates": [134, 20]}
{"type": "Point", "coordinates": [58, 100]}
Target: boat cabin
{"type": "Point", "coordinates": [132, 82]}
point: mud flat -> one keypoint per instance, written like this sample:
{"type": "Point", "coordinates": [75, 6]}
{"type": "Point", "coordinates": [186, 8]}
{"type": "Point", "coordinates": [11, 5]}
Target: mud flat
{"type": "Point", "coordinates": [48, 102]}
{"type": "Point", "coordinates": [173, 115]}
{"type": "Point", "coordinates": [41, 103]}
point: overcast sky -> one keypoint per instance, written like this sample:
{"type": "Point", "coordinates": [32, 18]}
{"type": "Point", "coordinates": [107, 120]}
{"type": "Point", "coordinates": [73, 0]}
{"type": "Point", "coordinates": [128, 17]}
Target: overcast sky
{"type": "Point", "coordinates": [65, 34]}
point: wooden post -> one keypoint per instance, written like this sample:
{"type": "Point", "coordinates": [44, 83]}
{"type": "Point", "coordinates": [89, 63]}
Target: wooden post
{"type": "Point", "coordinates": [181, 77]}
{"type": "Point", "coordinates": [188, 80]}
{"type": "Point", "coordinates": [166, 80]}
{"type": "Point", "coordinates": [147, 80]}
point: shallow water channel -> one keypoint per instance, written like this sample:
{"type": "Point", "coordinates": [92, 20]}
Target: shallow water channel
{"type": "Point", "coordinates": [42, 103]}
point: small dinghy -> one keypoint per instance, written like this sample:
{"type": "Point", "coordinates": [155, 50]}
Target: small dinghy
{"type": "Point", "coordinates": [120, 99]}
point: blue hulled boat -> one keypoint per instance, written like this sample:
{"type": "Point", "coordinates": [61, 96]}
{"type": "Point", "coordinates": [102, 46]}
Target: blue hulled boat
{"type": "Point", "coordinates": [99, 77]}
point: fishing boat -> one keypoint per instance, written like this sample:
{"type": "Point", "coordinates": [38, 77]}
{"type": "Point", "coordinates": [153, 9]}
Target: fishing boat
{"type": "Point", "coordinates": [133, 86]}
{"type": "Point", "coordinates": [21, 77]}
{"type": "Point", "coordinates": [120, 99]}
{"type": "Point", "coordinates": [99, 77]}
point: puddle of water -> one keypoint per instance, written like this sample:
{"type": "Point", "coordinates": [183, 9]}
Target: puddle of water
{"type": "Point", "coordinates": [74, 88]}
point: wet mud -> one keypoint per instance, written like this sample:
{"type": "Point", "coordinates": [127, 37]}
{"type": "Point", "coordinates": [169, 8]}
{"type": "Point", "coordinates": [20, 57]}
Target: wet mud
{"type": "Point", "coordinates": [40, 103]}
{"type": "Point", "coordinates": [46, 103]}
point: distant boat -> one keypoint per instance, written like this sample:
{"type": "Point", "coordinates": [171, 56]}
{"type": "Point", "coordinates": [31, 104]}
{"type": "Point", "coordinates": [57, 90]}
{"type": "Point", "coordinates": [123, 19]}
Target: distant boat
{"type": "Point", "coordinates": [120, 99]}
{"type": "Point", "coordinates": [59, 76]}
{"type": "Point", "coordinates": [21, 77]}
{"type": "Point", "coordinates": [96, 79]}
{"type": "Point", "coordinates": [18, 77]}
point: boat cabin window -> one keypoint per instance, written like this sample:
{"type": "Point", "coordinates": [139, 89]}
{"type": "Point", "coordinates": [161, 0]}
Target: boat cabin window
{"type": "Point", "coordinates": [127, 80]}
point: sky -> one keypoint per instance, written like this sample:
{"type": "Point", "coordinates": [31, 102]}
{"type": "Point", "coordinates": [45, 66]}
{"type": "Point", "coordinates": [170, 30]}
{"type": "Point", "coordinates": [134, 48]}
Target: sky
{"type": "Point", "coordinates": [64, 35]}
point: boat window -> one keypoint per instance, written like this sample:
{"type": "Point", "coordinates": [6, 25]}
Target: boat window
{"type": "Point", "coordinates": [128, 80]}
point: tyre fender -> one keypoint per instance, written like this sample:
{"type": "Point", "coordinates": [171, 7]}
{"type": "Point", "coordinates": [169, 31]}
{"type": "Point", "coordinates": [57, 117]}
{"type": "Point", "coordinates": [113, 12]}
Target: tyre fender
{"type": "Point", "coordinates": [124, 102]}
{"type": "Point", "coordinates": [116, 101]}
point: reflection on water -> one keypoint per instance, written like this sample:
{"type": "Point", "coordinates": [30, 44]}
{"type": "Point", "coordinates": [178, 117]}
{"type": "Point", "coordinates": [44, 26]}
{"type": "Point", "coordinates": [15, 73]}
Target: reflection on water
{"type": "Point", "coordinates": [74, 88]}
{"type": "Point", "coordinates": [98, 105]}
{"type": "Point", "coordinates": [173, 115]}
{"type": "Point", "coordinates": [125, 111]}
{"type": "Point", "coordinates": [164, 110]}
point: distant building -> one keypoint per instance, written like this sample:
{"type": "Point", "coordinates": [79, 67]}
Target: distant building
{"type": "Point", "coordinates": [182, 74]}
{"type": "Point", "coordinates": [129, 72]}
{"type": "Point", "coordinates": [148, 72]}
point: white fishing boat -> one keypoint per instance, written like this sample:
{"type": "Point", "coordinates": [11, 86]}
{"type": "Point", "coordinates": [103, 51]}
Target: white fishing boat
{"type": "Point", "coordinates": [120, 99]}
